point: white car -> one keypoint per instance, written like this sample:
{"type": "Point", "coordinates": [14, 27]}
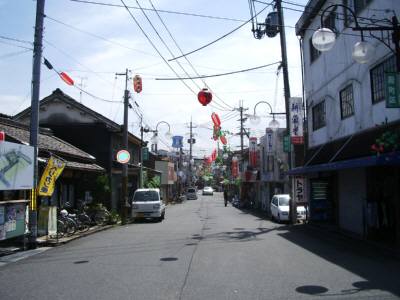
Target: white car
{"type": "Point", "coordinates": [280, 207]}
{"type": "Point", "coordinates": [147, 203]}
{"type": "Point", "coordinates": [208, 190]}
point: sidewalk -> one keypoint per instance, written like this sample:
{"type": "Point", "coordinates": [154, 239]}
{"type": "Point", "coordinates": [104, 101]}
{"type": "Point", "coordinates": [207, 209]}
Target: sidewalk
{"type": "Point", "coordinates": [51, 241]}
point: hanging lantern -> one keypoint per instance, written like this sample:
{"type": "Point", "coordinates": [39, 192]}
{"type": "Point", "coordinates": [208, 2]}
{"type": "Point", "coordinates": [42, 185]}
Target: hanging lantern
{"type": "Point", "coordinates": [137, 83]}
{"type": "Point", "coordinates": [215, 119]}
{"type": "Point", "coordinates": [68, 80]}
{"type": "Point", "coordinates": [204, 97]}
{"type": "Point", "coordinates": [223, 139]}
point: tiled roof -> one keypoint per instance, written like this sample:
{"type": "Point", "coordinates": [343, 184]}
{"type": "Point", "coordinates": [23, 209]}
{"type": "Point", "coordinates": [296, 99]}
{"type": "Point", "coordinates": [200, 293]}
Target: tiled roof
{"type": "Point", "coordinates": [50, 143]}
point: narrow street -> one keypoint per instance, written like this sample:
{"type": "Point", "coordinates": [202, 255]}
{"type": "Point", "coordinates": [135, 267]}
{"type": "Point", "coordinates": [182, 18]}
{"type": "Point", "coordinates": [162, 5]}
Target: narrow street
{"type": "Point", "coordinates": [203, 250]}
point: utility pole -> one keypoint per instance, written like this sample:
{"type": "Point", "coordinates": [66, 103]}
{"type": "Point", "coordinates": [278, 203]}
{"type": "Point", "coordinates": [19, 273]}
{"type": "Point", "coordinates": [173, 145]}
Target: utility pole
{"type": "Point", "coordinates": [34, 128]}
{"type": "Point", "coordinates": [191, 142]}
{"type": "Point", "coordinates": [286, 88]}
{"type": "Point", "coordinates": [124, 186]}
{"type": "Point", "coordinates": [141, 153]}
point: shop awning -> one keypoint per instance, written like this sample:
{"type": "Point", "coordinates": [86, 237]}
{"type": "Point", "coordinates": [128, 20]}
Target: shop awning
{"type": "Point", "coordinates": [386, 159]}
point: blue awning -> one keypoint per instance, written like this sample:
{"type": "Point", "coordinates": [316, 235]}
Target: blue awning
{"type": "Point", "coordinates": [369, 161]}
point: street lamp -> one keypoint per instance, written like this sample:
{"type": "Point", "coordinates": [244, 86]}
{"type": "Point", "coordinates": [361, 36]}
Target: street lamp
{"type": "Point", "coordinates": [363, 51]}
{"type": "Point", "coordinates": [154, 140]}
{"type": "Point", "coordinates": [274, 124]}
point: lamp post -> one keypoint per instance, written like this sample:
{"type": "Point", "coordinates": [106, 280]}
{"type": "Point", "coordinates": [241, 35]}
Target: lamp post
{"type": "Point", "coordinates": [154, 139]}
{"type": "Point", "coordinates": [324, 38]}
{"type": "Point", "coordinates": [274, 124]}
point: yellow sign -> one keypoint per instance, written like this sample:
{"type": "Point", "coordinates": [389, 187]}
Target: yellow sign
{"type": "Point", "coordinates": [54, 168]}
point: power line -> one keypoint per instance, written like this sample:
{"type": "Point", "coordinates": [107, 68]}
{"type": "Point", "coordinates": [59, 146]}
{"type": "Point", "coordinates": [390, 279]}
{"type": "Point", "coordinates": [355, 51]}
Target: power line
{"type": "Point", "coordinates": [177, 45]}
{"type": "Point", "coordinates": [223, 36]}
{"type": "Point", "coordinates": [221, 74]}
{"type": "Point", "coordinates": [162, 11]}
{"type": "Point", "coordinates": [15, 40]}
{"type": "Point", "coordinates": [98, 36]}
{"type": "Point", "coordinates": [18, 46]}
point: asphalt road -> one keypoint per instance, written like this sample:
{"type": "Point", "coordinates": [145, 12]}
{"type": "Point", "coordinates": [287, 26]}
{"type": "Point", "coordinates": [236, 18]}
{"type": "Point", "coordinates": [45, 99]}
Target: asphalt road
{"type": "Point", "coordinates": [203, 250]}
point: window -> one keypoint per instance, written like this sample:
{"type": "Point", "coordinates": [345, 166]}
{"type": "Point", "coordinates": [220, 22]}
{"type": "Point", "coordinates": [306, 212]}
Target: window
{"type": "Point", "coordinates": [318, 116]}
{"type": "Point", "coordinates": [357, 6]}
{"type": "Point", "coordinates": [377, 75]}
{"type": "Point", "coordinates": [314, 53]}
{"type": "Point", "coordinates": [347, 102]}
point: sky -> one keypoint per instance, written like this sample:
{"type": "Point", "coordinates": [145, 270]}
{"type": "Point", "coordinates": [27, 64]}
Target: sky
{"type": "Point", "coordinates": [92, 42]}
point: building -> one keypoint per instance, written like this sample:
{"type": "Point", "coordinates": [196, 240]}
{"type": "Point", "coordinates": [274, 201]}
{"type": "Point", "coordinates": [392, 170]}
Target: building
{"type": "Point", "coordinates": [273, 165]}
{"type": "Point", "coordinates": [95, 134]}
{"type": "Point", "coordinates": [352, 158]}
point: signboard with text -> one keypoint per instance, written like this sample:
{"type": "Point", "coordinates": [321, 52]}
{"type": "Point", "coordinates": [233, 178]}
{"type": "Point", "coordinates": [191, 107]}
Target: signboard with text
{"type": "Point", "coordinates": [296, 120]}
{"type": "Point", "coordinates": [299, 189]}
{"type": "Point", "coordinates": [392, 90]}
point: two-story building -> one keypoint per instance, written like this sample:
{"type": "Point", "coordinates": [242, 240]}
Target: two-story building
{"type": "Point", "coordinates": [352, 160]}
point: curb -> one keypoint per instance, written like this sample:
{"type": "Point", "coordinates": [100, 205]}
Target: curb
{"type": "Point", "coordinates": [46, 241]}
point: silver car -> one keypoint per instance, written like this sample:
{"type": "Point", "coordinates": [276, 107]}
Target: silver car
{"type": "Point", "coordinates": [208, 190]}
{"type": "Point", "coordinates": [191, 193]}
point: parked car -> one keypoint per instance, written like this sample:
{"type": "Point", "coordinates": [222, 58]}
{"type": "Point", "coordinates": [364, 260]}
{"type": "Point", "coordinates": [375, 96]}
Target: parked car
{"type": "Point", "coordinates": [301, 213]}
{"type": "Point", "coordinates": [280, 207]}
{"type": "Point", "coordinates": [191, 193]}
{"type": "Point", "coordinates": [208, 190]}
{"type": "Point", "coordinates": [147, 203]}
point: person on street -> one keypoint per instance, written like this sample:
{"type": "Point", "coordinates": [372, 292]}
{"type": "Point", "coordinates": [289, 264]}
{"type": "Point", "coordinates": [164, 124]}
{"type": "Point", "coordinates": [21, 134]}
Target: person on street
{"type": "Point", "coordinates": [225, 197]}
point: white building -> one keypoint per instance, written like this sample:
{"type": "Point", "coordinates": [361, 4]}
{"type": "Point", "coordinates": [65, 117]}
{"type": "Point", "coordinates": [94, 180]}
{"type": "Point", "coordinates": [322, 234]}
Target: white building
{"type": "Point", "coordinates": [349, 185]}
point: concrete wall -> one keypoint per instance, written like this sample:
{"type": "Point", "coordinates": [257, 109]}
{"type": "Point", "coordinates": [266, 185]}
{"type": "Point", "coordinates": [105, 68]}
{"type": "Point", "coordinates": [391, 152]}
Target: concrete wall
{"type": "Point", "coordinates": [352, 192]}
{"type": "Point", "coordinates": [335, 69]}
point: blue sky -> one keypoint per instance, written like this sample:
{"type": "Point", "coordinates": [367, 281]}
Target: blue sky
{"type": "Point", "coordinates": [93, 61]}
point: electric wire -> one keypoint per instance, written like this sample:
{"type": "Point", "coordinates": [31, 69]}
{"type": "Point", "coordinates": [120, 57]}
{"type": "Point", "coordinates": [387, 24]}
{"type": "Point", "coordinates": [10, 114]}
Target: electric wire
{"type": "Point", "coordinates": [14, 45]}
{"type": "Point", "coordinates": [98, 36]}
{"type": "Point", "coordinates": [180, 49]}
{"type": "Point", "coordinates": [15, 40]}
{"type": "Point", "coordinates": [223, 36]}
{"type": "Point", "coordinates": [221, 74]}
{"type": "Point", "coordinates": [155, 48]}
{"type": "Point", "coordinates": [12, 54]}
{"type": "Point", "coordinates": [162, 11]}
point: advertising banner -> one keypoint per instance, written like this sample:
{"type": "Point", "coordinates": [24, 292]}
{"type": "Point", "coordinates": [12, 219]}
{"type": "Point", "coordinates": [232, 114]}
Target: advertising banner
{"type": "Point", "coordinates": [270, 140]}
{"type": "Point", "coordinates": [296, 120]}
{"type": "Point", "coordinates": [16, 166]}
{"type": "Point", "coordinates": [235, 167]}
{"type": "Point", "coordinates": [54, 168]}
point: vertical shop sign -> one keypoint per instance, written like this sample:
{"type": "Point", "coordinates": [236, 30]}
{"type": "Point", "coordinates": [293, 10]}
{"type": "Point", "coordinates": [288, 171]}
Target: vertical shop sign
{"type": "Point", "coordinates": [299, 189]}
{"type": "Point", "coordinates": [296, 120]}
{"type": "Point", "coordinates": [54, 168]}
{"type": "Point", "coordinates": [392, 90]}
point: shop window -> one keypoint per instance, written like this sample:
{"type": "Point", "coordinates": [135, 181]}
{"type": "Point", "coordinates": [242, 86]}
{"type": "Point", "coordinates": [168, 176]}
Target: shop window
{"type": "Point", "coordinates": [347, 102]}
{"type": "Point", "coordinates": [318, 116]}
{"type": "Point", "coordinates": [377, 75]}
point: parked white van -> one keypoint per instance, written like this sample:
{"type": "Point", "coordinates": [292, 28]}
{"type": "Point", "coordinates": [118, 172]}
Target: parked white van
{"type": "Point", "coordinates": [147, 203]}
{"type": "Point", "coordinates": [280, 207]}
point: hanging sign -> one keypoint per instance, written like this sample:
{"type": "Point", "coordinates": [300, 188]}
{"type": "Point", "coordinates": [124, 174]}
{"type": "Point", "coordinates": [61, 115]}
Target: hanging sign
{"type": "Point", "coordinates": [53, 170]}
{"type": "Point", "coordinates": [123, 156]}
{"type": "Point", "coordinates": [235, 167]}
{"type": "Point", "coordinates": [145, 153]}
{"type": "Point", "coordinates": [270, 140]}
{"type": "Point", "coordinates": [296, 120]}
{"type": "Point", "coordinates": [286, 144]}
{"type": "Point", "coordinates": [392, 90]}
{"type": "Point", "coordinates": [177, 141]}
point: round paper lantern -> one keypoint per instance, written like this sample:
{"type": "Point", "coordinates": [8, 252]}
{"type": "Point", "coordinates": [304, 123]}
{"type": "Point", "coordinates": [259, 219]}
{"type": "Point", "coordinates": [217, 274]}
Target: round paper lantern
{"type": "Point", "coordinates": [204, 97]}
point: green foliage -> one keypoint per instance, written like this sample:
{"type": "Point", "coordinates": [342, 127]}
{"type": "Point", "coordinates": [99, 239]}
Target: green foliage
{"type": "Point", "coordinates": [153, 183]}
{"type": "Point", "coordinates": [388, 141]}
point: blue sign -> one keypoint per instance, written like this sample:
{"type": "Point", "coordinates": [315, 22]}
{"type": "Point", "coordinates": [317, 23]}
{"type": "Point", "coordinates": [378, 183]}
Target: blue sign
{"type": "Point", "coordinates": [177, 141]}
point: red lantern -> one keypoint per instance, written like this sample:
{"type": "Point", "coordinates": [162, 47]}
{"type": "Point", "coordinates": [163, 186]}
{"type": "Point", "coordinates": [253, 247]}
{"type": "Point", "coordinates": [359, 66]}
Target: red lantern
{"type": "Point", "coordinates": [68, 80]}
{"type": "Point", "coordinates": [2, 136]}
{"type": "Point", "coordinates": [216, 132]}
{"type": "Point", "coordinates": [204, 97]}
{"type": "Point", "coordinates": [137, 83]}
{"type": "Point", "coordinates": [215, 119]}
{"type": "Point", "coordinates": [223, 139]}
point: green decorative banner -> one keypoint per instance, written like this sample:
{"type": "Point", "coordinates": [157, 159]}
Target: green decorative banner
{"type": "Point", "coordinates": [286, 144]}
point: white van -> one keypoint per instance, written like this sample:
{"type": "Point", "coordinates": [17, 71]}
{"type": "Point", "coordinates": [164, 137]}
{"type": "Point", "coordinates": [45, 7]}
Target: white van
{"type": "Point", "coordinates": [280, 207]}
{"type": "Point", "coordinates": [147, 203]}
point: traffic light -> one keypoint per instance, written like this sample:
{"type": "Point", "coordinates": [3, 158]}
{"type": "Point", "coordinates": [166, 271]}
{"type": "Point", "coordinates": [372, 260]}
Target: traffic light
{"type": "Point", "coordinates": [137, 83]}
